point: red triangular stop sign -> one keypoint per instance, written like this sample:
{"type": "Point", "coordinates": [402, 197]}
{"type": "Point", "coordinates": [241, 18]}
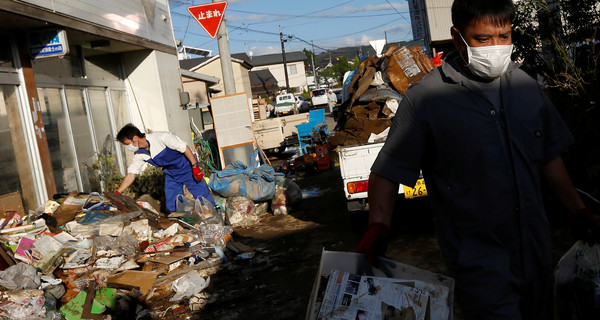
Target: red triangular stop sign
{"type": "Point", "coordinates": [209, 16]}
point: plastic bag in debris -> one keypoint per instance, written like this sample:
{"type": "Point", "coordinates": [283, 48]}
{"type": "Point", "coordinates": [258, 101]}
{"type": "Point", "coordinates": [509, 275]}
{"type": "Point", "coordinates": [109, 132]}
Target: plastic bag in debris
{"type": "Point", "coordinates": [287, 193]}
{"type": "Point", "coordinates": [124, 244]}
{"type": "Point", "coordinates": [215, 234]}
{"type": "Point", "coordinates": [240, 211]}
{"type": "Point", "coordinates": [188, 285]}
{"type": "Point", "coordinates": [140, 229]}
{"type": "Point", "coordinates": [94, 216]}
{"type": "Point", "coordinates": [184, 204]}
{"type": "Point", "coordinates": [23, 304]}
{"type": "Point", "coordinates": [20, 276]}
{"type": "Point", "coordinates": [255, 181]}
{"type": "Point", "coordinates": [293, 193]}
{"type": "Point", "coordinates": [204, 212]}
{"type": "Point", "coordinates": [577, 281]}
{"type": "Point", "coordinates": [112, 226]}
{"type": "Point", "coordinates": [278, 204]}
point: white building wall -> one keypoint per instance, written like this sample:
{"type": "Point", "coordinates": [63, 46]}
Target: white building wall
{"type": "Point", "coordinates": [297, 80]}
{"type": "Point", "coordinates": [153, 89]}
{"type": "Point", "coordinates": [149, 19]}
{"type": "Point", "coordinates": [439, 18]}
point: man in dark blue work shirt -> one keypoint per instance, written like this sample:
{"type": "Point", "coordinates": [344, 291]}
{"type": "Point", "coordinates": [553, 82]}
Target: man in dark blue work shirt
{"type": "Point", "coordinates": [485, 137]}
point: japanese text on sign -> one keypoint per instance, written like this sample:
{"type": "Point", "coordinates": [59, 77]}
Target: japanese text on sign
{"type": "Point", "coordinates": [209, 16]}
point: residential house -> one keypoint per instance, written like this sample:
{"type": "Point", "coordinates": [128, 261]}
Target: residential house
{"type": "Point", "coordinates": [198, 86]}
{"type": "Point", "coordinates": [295, 68]}
{"type": "Point", "coordinates": [263, 83]}
{"type": "Point", "coordinates": [72, 73]}
{"type": "Point", "coordinates": [211, 66]}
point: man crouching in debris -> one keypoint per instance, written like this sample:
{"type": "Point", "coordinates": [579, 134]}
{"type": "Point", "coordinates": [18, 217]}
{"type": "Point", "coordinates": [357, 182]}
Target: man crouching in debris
{"type": "Point", "coordinates": [486, 137]}
{"type": "Point", "coordinates": [169, 152]}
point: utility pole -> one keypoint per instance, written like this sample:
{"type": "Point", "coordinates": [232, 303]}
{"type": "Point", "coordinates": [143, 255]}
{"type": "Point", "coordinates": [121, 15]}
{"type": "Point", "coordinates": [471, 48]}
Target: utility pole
{"type": "Point", "coordinates": [225, 55]}
{"type": "Point", "coordinates": [313, 64]}
{"type": "Point", "coordinates": [287, 80]}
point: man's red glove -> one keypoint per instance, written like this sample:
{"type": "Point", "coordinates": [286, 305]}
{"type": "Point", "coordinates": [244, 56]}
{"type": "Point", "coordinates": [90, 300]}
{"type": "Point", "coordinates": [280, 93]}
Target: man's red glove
{"type": "Point", "coordinates": [375, 242]}
{"type": "Point", "coordinates": [197, 173]}
{"type": "Point", "coordinates": [585, 226]}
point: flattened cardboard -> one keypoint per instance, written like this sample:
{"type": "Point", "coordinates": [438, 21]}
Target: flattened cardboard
{"type": "Point", "coordinates": [11, 202]}
{"type": "Point", "coordinates": [168, 259]}
{"type": "Point", "coordinates": [142, 279]}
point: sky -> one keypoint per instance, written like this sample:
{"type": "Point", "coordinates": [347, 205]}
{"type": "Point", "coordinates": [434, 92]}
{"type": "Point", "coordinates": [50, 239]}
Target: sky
{"type": "Point", "coordinates": [254, 25]}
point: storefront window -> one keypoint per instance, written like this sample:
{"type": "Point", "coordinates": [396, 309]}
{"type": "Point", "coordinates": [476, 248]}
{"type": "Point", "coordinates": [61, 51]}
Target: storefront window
{"type": "Point", "coordinates": [62, 153]}
{"type": "Point", "coordinates": [14, 159]}
{"type": "Point", "coordinates": [84, 144]}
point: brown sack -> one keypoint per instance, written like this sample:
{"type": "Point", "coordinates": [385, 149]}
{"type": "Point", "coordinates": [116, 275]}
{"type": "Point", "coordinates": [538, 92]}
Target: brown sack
{"type": "Point", "coordinates": [405, 67]}
{"type": "Point", "coordinates": [369, 111]}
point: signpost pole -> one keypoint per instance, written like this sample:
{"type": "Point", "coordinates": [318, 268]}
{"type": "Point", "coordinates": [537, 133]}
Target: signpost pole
{"type": "Point", "coordinates": [226, 66]}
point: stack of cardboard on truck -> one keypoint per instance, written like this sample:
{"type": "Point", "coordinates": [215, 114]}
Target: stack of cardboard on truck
{"type": "Point", "coordinates": [376, 89]}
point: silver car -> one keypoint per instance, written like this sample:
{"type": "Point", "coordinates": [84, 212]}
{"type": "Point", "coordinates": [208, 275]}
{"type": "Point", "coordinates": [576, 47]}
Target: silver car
{"type": "Point", "coordinates": [319, 97]}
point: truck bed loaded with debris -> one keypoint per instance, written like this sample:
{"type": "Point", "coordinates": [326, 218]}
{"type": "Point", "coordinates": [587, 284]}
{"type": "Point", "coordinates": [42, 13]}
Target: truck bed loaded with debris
{"type": "Point", "coordinates": [375, 89]}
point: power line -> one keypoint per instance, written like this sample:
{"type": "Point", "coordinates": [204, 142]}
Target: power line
{"type": "Point", "coordinates": [397, 11]}
{"type": "Point", "coordinates": [349, 34]}
{"type": "Point", "coordinates": [307, 14]}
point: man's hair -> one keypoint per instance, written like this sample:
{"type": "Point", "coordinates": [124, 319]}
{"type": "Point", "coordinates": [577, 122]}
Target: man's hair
{"type": "Point", "coordinates": [128, 132]}
{"type": "Point", "coordinates": [497, 12]}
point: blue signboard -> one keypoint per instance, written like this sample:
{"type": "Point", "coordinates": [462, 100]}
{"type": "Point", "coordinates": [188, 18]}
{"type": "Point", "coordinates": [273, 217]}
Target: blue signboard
{"type": "Point", "coordinates": [48, 43]}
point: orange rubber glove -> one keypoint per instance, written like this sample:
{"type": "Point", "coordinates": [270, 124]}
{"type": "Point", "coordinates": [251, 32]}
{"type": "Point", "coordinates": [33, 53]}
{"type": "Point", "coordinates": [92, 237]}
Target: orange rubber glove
{"type": "Point", "coordinates": [197, 173]}
{"type": "Point", "coordinates": [375, 242]}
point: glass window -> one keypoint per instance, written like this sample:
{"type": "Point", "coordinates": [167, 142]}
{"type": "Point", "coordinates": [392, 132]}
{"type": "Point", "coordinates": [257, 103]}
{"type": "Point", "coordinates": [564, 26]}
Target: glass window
{"type": "Point", "coordinates": [14, 157]}
{"type": "Point", "coordinates": [84, 145]}
{"type": "Point", "coordinates": [62, 155]}
{"type": "Point", "coordinates": [292, 69]}
{"type": "Point", "coordinates": [119, 108]}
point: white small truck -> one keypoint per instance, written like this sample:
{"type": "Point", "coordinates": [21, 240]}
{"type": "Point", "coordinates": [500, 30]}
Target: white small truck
{"type": "Point", "coordinates": [355, 168]}
{"type": "Point", "coordinates": [273, 135]}
{"type": "Point", "coordinates": [285, 104]}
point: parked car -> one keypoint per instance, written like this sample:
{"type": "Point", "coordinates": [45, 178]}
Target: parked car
{"type": "Point", "coordinates": [302, 104]}
{"type": "Point", "coordinates": [285, 104]}
{"type": "Point", "coordinates": [319, 97]}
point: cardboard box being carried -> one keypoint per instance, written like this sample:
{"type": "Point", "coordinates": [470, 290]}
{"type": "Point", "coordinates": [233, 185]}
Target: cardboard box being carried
{"type": "Point", "coordinates": [348, 287]}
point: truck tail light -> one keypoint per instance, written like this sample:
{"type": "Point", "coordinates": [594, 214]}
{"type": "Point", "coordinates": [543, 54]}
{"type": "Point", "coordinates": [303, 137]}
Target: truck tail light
{"type": "Point", "coordinates": [358, 186]}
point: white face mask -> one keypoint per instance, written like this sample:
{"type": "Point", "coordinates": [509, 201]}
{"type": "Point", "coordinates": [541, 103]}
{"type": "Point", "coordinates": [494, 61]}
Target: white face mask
{"type": "Point", "coordinates": [131, 147]}
{"type": "Point", "coordinates": [488, 62]}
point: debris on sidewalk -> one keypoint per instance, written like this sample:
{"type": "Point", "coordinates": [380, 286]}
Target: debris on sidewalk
{"type": "Point", "coordinates": [83, 256]}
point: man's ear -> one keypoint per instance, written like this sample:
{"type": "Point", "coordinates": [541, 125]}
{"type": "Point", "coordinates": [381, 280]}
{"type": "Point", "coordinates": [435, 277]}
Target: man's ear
{"type": "Point", "coordinates": [458, 41]}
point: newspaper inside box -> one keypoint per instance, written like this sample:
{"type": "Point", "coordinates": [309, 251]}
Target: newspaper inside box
{"type": "Point", "coordinates": [347, 287]}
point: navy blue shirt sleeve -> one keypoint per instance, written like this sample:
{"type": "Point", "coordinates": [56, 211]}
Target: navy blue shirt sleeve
{"type": "Point", "coordinates": [400, 158]}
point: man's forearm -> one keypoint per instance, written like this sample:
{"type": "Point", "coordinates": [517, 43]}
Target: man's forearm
{"type": "Point", "coordinates": [189, 155]}
{"type": "Point", "coordinates": [382, 198]}
{"type": "Point", "coordinates": [127, 181]}
{"type": "Point", "coordinates": [557, 177]}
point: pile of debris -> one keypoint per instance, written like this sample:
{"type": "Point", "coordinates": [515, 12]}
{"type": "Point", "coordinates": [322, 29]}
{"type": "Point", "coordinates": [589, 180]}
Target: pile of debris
{"type": "Point", "coordinates": [91, 256]}
{"type": "Point", "coordinates": [376, 88]}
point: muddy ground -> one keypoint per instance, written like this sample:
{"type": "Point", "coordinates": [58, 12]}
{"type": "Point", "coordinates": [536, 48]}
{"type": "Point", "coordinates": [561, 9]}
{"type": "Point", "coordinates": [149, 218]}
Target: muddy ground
{"type": "Point", "coordinates": [277, 282]}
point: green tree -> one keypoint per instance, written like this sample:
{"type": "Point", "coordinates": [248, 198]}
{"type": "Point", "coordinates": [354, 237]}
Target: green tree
{"type": "Point", "coordinates": [309, 59]}
{"type": "Point", "coordinates": [557, 42]}
{"type": "Point", "coordinates": [338, 70]}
